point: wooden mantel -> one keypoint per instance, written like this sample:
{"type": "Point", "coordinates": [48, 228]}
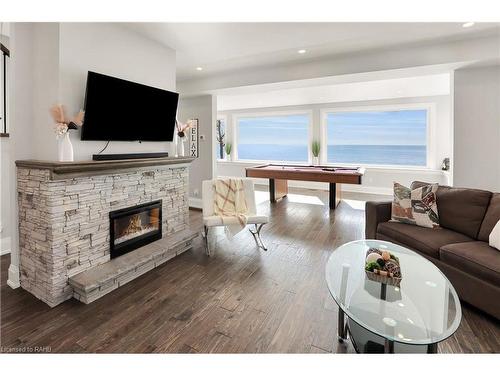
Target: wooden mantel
{"type": "Point", "coordinates": [65, 170]}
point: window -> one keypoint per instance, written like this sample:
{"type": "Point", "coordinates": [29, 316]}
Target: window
{"type": "Point", "coordinates": [274, 138]}
{"type": "Point", "coordinates": [220, 138]}
{"type": "Point", "coordinates": [396, 137]}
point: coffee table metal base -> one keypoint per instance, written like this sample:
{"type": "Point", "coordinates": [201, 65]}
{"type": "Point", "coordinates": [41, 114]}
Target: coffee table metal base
{"type": "Point", "coordinates": [365, 341]}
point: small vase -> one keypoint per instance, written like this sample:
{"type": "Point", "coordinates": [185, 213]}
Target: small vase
{"type": "Point", "coordinates": [65, 148]}
{"type": "Point", "coordinates": [315, 160]}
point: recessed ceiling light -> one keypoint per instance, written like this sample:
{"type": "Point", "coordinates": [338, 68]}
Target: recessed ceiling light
{"type": "Point", "coordinates": [301, 51]}
{"type": "Point", "coordinates": [199, 68]}
{"type": "Point", "coordinates": [468, 24]}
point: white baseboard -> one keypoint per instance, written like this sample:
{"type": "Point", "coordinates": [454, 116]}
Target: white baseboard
{"type": "Point", "coordinates": [195, 202]}
{"type": "Point", "coordinates": [4, 246]}
{"type": "Point", "coordinates": [367, 189]}
{"type": "Point", "coordinates": [13, 280]}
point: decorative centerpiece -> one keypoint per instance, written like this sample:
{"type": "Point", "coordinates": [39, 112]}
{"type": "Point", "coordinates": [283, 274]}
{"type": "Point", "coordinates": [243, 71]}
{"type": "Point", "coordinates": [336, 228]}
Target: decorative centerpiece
{"type": "Point", "coordinates": [62, 127]}
{"type": "Point", "coordinates": [382, 266]}
{"type": "Point", "coordinates": [181, 136]}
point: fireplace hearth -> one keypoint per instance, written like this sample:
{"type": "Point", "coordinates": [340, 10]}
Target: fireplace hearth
{"type": "Point", "coordinates": [134, 227]}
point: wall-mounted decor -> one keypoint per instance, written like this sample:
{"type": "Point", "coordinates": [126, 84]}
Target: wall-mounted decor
{"type": "Point", "coordinates": [193, 139]}
{"type": "Point", "coordinates": [220, 136]}
{"type": "Point", "coordinates": [4, 73]}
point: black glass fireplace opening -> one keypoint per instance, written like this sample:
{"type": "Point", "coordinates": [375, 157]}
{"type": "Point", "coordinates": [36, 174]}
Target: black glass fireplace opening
{"type": "Point", "coordinates": [134, 227]}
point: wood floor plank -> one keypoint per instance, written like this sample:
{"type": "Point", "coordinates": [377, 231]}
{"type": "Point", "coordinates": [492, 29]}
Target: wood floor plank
{"type": "Point", "coordinates": [239, 300]}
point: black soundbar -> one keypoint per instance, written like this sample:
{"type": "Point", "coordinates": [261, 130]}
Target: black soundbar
{"type": "Point", "coordinates": [146, 155]}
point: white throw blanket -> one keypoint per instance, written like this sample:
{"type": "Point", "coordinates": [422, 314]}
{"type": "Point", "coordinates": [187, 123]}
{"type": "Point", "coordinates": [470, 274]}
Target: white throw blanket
{"type": "Point", "coordinates": [230, 204]}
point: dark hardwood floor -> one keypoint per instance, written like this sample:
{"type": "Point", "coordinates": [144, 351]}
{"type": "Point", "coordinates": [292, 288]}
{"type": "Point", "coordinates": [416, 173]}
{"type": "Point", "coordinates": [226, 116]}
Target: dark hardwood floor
{"type": "Point", "coordinates": [239, 300]}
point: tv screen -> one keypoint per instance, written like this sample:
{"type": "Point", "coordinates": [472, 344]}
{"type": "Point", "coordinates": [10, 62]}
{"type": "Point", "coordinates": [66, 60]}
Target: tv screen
{"type": "Point", "coordinates": [120, 110]}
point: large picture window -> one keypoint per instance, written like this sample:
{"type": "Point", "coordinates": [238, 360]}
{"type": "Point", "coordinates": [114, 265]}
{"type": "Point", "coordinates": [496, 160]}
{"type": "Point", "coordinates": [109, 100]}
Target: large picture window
{"type": "Point", "coordinates": [395, 137]}
{"type": "Point", "coordinates": [273, 138]}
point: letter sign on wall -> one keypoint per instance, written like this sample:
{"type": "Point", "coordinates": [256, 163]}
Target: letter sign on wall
{"type": "Point", "coordinates": [193, 139]}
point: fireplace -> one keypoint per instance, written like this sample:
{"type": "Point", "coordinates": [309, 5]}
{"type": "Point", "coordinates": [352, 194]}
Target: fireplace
{"type": "Point", "coordinates": [134, 227]}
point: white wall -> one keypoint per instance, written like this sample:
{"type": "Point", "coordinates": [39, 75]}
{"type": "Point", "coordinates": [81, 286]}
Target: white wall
{"type": "Point", "coordinates": [113, 50]}
{"type": "Point", "coordinates": [376, 180]}
{"type": "Point", "coordinates": [477, 128]}
{"type": "Point", "coordinates": [5, 223]}
{"type": "Point", "coordinates": [45, 88]}
{"type": "Point", "coordinates": [67, 51]}
{"type": "Point", "coordinates": [49, 64]}
{"type": "Point", "coordinates": [21, 122]}
{"type": "Point", "coordinates": [204, 108]}
{"type": "Point", "coordinates": [64, 53]}
{"type": "Point", "coordinates": [405, 87]}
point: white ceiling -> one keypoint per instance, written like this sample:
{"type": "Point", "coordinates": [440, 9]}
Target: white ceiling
{"type": "Point", "coordinates": [407, 87]}
{"type": "Point", "coordinates": [218, 47]}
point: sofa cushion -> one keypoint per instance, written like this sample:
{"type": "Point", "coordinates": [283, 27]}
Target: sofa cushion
{"type": "Point", "coordinates": [459, 209]}
{"type": "Point", "coordinates": [491, 218]}
{"type": "Point", "coordinates": [476, 258]}
{"type": "Point", "coordinates": [426, 240]}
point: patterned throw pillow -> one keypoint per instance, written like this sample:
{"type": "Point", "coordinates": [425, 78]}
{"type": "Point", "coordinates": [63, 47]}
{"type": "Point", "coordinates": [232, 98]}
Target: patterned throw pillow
{"type": "Point", "coordinates": [416, 207]}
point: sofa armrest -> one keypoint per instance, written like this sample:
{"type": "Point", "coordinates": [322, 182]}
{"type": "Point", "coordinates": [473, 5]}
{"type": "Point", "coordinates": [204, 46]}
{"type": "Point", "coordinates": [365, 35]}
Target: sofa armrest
{"type": "Point", "coordinates": [376, 212]}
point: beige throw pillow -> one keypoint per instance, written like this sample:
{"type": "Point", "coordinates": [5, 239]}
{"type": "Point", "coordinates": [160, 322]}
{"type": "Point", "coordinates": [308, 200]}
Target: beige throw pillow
{"type": "Point", "coordinates": [495, 236]}
{"type": "Point", "coordinates": [416, 207]}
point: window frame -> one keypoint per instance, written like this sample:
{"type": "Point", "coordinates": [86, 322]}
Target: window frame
{"type": "Point", "coordinates": [430, 132]}
{"type": "Point", "coordinates": [236, 133]}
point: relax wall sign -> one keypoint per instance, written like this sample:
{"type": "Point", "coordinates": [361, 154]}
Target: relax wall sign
{"type": "Point", "coordinates": [193, 139]}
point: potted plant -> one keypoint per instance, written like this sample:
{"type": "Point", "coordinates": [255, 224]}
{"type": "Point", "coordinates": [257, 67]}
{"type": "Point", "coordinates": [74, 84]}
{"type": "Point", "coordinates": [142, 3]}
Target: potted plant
{"type": "Point", "coordinates": [315, 148]}
{"type": "Point", "coordinates": [228, 148]}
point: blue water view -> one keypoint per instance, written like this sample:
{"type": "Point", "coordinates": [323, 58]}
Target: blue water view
{"type": "Point", "coordinates": [352, 154]}
{"type": "Point", "coordinates": [396, 137]}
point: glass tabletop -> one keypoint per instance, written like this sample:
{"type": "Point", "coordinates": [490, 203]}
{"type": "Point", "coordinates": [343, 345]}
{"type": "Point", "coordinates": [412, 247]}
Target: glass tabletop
{"type": "Point", "coordinates": [423, 310]}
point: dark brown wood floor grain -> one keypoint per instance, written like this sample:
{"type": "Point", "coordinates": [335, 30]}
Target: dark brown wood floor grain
{"type": "Point", "coordinates": [240, 300]}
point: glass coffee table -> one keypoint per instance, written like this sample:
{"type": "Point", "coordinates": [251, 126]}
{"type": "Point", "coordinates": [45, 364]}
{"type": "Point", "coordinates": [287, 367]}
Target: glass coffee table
{"type": "Point", "coordinates": [380, 318]}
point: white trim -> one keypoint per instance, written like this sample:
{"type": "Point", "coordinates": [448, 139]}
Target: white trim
{"type": "Point", "coordinates": [13, 280]}
{"type": "Point", "coordinates": [452, 128]}
{"type": "Point", "coordinates": [235, 131]}
{"type": "Point", "coordinates": [430, 131]}
{"type": "Point", "coordinates": [4, 246]}
{"type": "Point", "coordinates": [388, 168]}
{"type": "Point", "coordinates": [195, 202]}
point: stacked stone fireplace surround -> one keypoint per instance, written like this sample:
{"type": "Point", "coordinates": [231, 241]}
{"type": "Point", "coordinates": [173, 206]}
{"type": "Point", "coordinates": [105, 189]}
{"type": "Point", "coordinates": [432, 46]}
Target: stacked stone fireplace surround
{"type": "Point", "coordinates": [64, 217]}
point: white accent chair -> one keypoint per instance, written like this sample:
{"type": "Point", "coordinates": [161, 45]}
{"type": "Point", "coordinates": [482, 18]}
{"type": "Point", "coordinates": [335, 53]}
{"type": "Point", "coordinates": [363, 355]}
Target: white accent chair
{"type": "Point", "coordinates": [211, 220]}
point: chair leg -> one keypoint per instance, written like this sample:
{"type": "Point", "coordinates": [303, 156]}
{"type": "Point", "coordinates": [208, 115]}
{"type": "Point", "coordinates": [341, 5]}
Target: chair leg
{"type": "Point", "coordinates": [256, 236]}
{"type": "Point", "coordinates": [205, 239]}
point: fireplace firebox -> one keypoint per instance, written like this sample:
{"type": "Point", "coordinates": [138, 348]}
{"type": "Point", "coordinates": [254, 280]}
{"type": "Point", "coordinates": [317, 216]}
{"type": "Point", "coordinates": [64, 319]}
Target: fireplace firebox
{"type": "Point", "coordinates": [134, 227]}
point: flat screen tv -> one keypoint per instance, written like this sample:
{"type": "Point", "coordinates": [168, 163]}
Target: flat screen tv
{"type": "Point", "coordinates": [120, 110]}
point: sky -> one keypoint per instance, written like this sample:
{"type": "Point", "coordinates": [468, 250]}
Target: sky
{"type": "Point", "coordinates": [406, 127]}
{"type": "Point", "coordinates": [378, 128]}
{"type": "Point", "coordinates": [287, 130]}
